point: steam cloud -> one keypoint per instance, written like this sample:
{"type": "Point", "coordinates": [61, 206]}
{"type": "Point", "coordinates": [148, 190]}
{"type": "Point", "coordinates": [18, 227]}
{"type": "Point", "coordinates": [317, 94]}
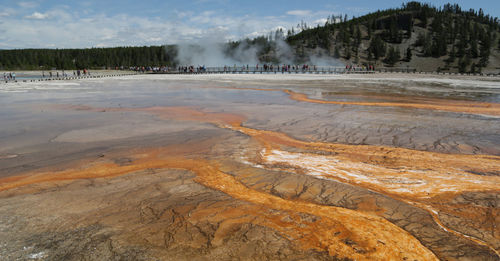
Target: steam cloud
{"type": "Point", "coordinates": [214, 54]}
{"type": "Point", "coordinates": [211, 52]}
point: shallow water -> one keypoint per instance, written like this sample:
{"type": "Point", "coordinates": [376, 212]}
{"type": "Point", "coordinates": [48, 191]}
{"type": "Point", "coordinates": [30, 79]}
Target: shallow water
{"type": "Point", "coordinates": [392, 138]}
{"type": "Point", "coordinates": [29, 118]}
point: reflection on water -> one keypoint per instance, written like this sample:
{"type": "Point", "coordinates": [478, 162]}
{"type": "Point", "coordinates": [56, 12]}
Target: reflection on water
{"type": "Point", "coordinates": [26, 114]}
{"type": "Point", "coordinates": [396, 138]}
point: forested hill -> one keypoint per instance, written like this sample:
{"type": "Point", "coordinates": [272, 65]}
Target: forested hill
{"type": "Point", "coordinates": [416, 35]}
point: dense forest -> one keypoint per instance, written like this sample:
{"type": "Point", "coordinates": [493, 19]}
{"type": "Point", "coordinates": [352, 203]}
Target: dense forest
{"type": "Point", "coordinates": [95, 58]}
{"type": "Point", "coordinates": [416, 35]}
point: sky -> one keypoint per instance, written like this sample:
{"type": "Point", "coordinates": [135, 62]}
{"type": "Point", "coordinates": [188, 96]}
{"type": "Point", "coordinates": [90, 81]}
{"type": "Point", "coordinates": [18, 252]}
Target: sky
{"type": "Point", "coordinates": [92, 23]}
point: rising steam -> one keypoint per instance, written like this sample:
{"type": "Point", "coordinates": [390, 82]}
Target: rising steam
{"type": "Point", "coordinates": [212, 51]}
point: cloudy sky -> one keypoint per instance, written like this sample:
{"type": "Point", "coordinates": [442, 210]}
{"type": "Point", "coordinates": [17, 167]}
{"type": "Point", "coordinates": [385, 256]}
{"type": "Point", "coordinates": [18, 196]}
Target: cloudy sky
{"type": "Point", "coordinates": [92, 23]}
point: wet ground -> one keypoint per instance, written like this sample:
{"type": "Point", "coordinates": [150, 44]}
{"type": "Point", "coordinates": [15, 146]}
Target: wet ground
{"type": "Point", "coordinates": [376, 167]}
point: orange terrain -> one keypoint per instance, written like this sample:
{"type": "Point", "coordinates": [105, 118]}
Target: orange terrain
{"type": "Point", "coordinates": [416, 177]}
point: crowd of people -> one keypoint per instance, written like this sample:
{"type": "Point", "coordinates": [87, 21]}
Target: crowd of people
{"type": "Point", "coordinates": [11, 76]}
{"type": "Point", "coordinates": [192, 69]}
{"type": "Point", "coordinates": [296, 68]}
{"type": "Point", "coordinates": [63, 74]}
{"type": "Point", "coordinates": [267, 67]}
{"type": "Point", "coordinates": [283, 68]}
{"type": "Point", "coordinates": [245, 68]}
{"type": "Point", "coordinates": [358, 68]}
{"type": "Point", "coordinates": [144, 69]}
{"type": "Point", "coordinates": [56, 74]}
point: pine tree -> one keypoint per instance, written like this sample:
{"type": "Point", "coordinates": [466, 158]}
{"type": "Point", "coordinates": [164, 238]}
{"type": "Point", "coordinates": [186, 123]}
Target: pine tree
{"type": "Point", "coordinates": [397, 54]}
{"type": "Point", "coordinates": [420, 40]}
{"type": "Point", "coordinates": [473, 48]}
{"type": "Point", "coordinates": [393, 56]}
{"type": "Point", "coordinates": [473, 68]}
{"type": "Point", "coordinates": [370, 57]}
{"type": "Point", "coordinates": [410, 27]}
{"type": "Point", "coordinates": [336, 53]}
{"type": "Point", "coordinates": [439, 45]}
{"type": "Point", "coordinates": [373, 25]}
{"type": "Point", "coordinates": [346, 38]}
{"type": "Point", "coordinates": [408, 54]}
{"type": "Point", "coordinates": [462, 43]}
{"type": "Point", "coordinates": [357, 36]}
{"type": "Point", "coordinates": [348, 54]}
{"type": "Point", "coordinates": [377, 47]}
{"type": "Point", "coordinates": [393, 31]}
{"type": "Point", "coordinates": [462, 66]}
{"type": "Point", "coordinates": [452, 55]}
{"type": "Point", "coordinates": [427, 46]}
{"type": "Point", "coordinates": [423, 19]}
{"type": "Point", "coordinates": [484, 51]}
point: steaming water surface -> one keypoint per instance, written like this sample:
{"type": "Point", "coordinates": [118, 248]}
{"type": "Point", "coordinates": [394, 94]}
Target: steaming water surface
{"type": "Point", "coordinates": [28, 117]}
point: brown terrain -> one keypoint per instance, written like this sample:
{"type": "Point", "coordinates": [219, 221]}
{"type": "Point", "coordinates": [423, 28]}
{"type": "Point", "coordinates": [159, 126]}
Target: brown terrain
{"type": "Point", "coordinates": [252, 169]}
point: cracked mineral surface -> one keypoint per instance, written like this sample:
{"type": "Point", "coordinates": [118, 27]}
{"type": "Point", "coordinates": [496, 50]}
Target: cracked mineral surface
{"type": "Point", "coordinates": [251, 167]}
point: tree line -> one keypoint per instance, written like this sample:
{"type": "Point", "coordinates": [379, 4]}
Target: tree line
{"type": "Point", "coordinates": [93, 58]}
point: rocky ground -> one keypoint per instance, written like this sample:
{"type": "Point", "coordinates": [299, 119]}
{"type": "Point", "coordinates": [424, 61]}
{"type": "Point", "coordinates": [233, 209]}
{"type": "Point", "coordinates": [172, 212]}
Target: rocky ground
{"type": "Point", "coordinates": [238, 168]}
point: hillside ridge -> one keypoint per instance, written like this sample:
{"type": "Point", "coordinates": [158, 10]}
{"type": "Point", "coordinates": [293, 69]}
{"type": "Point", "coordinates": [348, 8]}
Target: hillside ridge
{"type": "Point", "coordinates": [416, 35]}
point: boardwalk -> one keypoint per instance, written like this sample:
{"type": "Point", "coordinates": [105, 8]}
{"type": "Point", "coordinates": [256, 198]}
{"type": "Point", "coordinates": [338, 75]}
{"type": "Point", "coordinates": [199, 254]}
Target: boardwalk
{"type": "Point", "coordinates": [270, 70]}
{"type": "Point", "coordinates": [39, 78]}
{"type": "Point", "coordinates": [240, 70]}
{"type": "Point", "coordinates": [311, 70]}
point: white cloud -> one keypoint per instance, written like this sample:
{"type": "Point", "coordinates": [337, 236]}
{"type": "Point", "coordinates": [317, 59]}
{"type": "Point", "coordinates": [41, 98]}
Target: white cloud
{"type": "Point", "coordinates": [321, 21]}
{"type": "Point", "coordinates": [37, 16]}
{"type": "Point", "coordinates": [27, 4]}
{"type": "Point", "coordinates": [299, 12]}
{"type": "Point", "coordinates": [181, 14]}
{"type": "Point", "coordinates": [63, 27]}
{"type": "Point", "coordinates": [7, 12]}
